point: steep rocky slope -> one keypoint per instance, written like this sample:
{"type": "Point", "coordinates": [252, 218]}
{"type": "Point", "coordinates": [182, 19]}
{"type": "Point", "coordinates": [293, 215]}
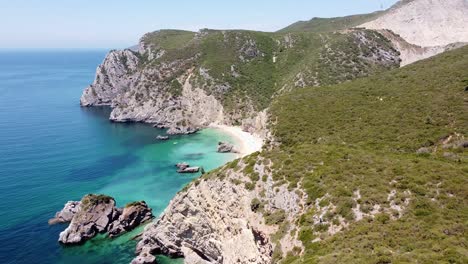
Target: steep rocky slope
{"type": "Point", "coordinates": [424, 28]}
{"type": "Point", "coordinates": [347, 180]}
{"type": "Point", "coordinates": [426, 23]}
{"type": "Point", "coordinates": [184, 80]}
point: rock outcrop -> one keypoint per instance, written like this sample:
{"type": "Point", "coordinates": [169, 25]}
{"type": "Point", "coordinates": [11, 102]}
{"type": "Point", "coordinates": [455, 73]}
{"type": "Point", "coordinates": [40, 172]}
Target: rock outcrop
{"type": "Point", "coordinates": [226, 147]}
{"type": "Point", "coordinates": [66, 214]}
{"type": "Point", "coordinates": [213, 221]}
{"type": "Point", "coordinates": [96, 214]}
{"type": "Point", "coordinates": [426, 23]}
{"type": "Point", "coordinates": [132, 216]}
{"type": "Point", "coordinates": [420, 29]}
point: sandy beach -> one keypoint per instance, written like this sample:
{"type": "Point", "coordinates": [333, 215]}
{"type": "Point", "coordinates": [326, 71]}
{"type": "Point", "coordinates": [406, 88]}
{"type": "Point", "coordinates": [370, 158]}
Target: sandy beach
{"type": "Point", "coordinates": [246, 143]}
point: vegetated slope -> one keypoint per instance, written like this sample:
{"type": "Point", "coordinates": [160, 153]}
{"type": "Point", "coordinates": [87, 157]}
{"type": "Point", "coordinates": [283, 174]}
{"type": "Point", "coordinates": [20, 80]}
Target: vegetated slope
{"type": "Point", "coordinates": [353, 148]}
{"type": "Point", "coordinates": [322, 25]}
{"type": "Point", "coordinates": [183, 80]}
{"type": "Point", "coordinates": [369, 171]}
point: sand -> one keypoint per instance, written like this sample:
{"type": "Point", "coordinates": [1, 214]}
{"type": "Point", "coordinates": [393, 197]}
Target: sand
{"type": "Point", "coordinates": [246, 143]}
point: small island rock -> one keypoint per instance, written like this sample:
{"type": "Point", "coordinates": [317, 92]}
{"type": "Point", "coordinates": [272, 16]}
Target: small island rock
{"type": "Point", "coordinates": [96, 214]}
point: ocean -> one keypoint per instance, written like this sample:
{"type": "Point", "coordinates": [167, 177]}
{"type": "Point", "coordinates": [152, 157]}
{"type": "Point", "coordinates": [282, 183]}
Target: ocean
{"type": "Point", "coordinates": [53, 151]}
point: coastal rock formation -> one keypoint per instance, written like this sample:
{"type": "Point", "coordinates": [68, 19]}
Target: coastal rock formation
{"type": "Point", "coordinates": [213, 221]}
{"type": "Point", "coordinates": [420, 29]}
{"type": "Point", "coordinates": [226, 147]}
{"type": "Point", "coordinates": [66, 214]}
{"type": "Point", "coordinates": [113, 77]}
{"type": "Point", "coordinates": [426, 23]}
{"type": "Point", "coordinates": [96, 214]}
{"type": "Point", "coordinates": [132, 216]}
{"type": "Point", "coordinates": [184, 88]}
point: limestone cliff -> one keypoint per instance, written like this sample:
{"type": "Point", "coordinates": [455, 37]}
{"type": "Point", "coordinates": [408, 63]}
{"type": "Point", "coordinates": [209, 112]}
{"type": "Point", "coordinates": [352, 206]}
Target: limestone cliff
{"type": "Point", "coordinates": [228, 216]}
{"type": "Point", "coordinates": [185, 81]}
{"type": "Point", "coordinates": [424, 28]}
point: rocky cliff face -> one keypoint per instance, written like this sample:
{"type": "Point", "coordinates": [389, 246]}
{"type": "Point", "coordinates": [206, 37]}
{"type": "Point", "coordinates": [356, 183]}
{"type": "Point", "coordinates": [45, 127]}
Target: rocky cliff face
{"type": "Point", "coordinates": [184, 81]}
{"type": "Point", "coordinates": [426, 23]}
{"type": "Point", "coordinates": [424, 28]}
{"type": "Point", "coordinates": [228, 216]}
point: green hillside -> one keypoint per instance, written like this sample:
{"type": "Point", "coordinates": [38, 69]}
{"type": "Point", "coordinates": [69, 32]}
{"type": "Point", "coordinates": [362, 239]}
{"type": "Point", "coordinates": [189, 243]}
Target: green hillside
{"type": "Point", "coordinates": [392, 146]}
{"type": "Point", "coordinates": [245, 69]}
{"type": "Point", "coordinates": [323, 25]}
{"type": "Point", "coordinates": [364, 135]}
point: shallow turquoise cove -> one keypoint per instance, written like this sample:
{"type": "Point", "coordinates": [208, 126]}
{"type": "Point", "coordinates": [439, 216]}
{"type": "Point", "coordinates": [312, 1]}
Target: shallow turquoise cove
{"type": "Point", "coordinates": [53, 151]}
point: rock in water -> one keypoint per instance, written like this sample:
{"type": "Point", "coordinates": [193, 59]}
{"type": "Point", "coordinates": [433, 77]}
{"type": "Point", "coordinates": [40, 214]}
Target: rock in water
{"type": "Point", "coordinates": [132, 216]}
{"type": "Point", "coordinates": [176, 130]}
{"type": "Point", "coordinates": [189, 170]}
{"type": "Point", "coordinates": [96, 214]}
{"type": "Point", "coordinates": [66, 214]}
{"type": "Point", "coordinates": [225, 147]}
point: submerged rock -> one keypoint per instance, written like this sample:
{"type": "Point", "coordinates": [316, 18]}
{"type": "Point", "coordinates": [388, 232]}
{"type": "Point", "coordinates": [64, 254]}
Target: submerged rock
{"type": "Point", "coordinates": [162, 137]}
{"type": "Point", "coordinates": [96, 214]}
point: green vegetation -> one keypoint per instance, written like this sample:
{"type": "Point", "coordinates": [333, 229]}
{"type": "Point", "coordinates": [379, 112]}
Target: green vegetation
{"type": "Point", "coordinates": [245, 70]}
{"type": "Point", "coordinates": [364, 135]}
{"type": "Point", "coordinates": [95, 199]}
{"type": "Point", "coordinates": [322, 25]}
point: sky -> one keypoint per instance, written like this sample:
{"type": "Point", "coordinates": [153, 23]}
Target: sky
{"type": "Point", "coordinates": [37, 24]}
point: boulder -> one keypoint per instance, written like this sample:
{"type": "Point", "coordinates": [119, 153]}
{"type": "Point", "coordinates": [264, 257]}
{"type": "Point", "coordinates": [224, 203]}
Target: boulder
{"type": "Point", "coordinates": [189, 170]}
{"type": "Point", "coordinates": [66, 214]}
{"type": "Point", "coordinates": [424, 150]}
{"type": "Point", "coordinates": [225, 147]}
{"type": "Point", "coordinates": [133, 215]}
{"type": "Point", "coordinates": [96, 214]}
{"type": "Point", "coordinates": [182, 165]}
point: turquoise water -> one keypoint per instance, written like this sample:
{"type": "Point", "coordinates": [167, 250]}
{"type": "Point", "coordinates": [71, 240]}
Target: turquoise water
{"type": "Point", "coordinates": [53, 151]}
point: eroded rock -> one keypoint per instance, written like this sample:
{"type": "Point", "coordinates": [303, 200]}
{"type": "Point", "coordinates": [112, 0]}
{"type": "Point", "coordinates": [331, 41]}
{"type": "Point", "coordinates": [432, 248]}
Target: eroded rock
{"type": "Point", "coordinates": [96, 214]}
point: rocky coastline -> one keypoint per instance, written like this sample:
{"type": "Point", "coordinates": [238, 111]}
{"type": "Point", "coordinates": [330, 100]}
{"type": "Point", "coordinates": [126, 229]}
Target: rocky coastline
{"type": "Point", "coordinates": [96, 214]}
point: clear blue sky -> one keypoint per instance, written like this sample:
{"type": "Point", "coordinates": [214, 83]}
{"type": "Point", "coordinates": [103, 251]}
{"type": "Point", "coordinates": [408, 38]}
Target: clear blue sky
{"type": "Point", "coordinates": [120, 23]}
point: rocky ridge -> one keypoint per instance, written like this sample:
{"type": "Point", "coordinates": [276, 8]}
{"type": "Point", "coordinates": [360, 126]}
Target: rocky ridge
{"type": "Point", "coordinates": [424, 28]}
{"type": "Point", "coordinates": [181, 88]}
{"type": "Point", "coordinates": [96, 214]}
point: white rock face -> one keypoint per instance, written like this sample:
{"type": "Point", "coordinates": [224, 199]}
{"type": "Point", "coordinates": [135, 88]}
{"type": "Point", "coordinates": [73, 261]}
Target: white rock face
{"type": "Point", "coordinates": [213, 222]}
{"type": "Point", "coordinates": [426, 23]}
{"type": "Point", "coordinates": [410, 53]}
{"type": "Point", "coordinates": [112, 78]}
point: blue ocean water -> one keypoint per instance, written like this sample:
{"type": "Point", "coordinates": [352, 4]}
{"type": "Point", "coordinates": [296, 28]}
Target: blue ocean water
{"type": "Point", "coordinates": [53, 151]}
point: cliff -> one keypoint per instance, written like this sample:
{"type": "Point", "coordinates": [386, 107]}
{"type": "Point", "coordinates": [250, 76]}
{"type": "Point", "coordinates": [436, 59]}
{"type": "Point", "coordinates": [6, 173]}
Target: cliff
{"type": "Point", "coordinates": [184, 81]}
{"type": "Point", "coordinates": [345, 181]}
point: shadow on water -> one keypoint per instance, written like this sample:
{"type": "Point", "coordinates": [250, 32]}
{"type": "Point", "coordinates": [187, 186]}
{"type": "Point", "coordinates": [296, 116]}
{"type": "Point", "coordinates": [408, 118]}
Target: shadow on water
{"type": "Point", "coordinates": [97, 111]}
{"type": "Point", "coordinates": [102, 167]}
{"type": "Point", "coordinates": [194, 156]}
